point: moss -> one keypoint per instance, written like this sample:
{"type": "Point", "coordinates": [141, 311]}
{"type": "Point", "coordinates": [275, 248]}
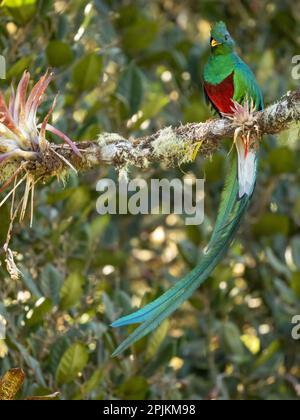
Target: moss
{"type": "Point", "coordinates": [174, 148]}
{"type": "Point", "coordinates": [7, 170]}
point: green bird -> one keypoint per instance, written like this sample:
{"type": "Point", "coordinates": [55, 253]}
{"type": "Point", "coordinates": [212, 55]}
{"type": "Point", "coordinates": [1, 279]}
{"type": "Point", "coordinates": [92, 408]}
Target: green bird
{"type": "Point", "coordinates": [228, 82]}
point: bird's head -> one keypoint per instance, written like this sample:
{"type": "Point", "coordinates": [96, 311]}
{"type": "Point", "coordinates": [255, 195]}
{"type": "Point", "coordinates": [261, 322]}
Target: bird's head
{"type": "Point", "coordinates": [220, 39]}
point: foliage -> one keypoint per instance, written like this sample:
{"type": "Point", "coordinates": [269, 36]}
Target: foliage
{"type": "Point", "coordinates": [132, 67]}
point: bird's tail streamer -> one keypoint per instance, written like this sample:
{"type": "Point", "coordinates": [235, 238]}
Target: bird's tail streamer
{"type": "Point", "coordinates": [233, 206]}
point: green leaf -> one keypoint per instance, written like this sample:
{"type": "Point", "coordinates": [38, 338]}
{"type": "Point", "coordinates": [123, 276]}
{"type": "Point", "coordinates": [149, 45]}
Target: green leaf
{"type": "Point", "coordinates": [135, 388]}
{"type": "Point", "coordinates": [71, 290]}
{"type": "Point", "coordinates": [156, 339]}
{"type": "Point", "coordinates": [42, 307]}
{"type": "Point", "coordinates": [139, 35]}
{"type": "Point", "coordinates": [98, 227]}
{"type": "Point", "coordinates": [72, 363]}
{"type": "Point", "coordinates": [267, 354]}
{"type": "Point", "coordinates": [130, 89]}
{"type": "Point", "coordinates": [106, 257]}
{"type": "Point", "coordinates": [21, 10]}
{"type": "Point", "coordinates": [50, 283]}
{"type": "Point", "coordinates": [59, 53]}
{"type": "Point", "coordinates": [87, 72]}
{"type": "Point", "coordinates": [16, 70]}
{"type": "Point", "coordinates": [93, 382]}
{"type": "Point", "coordinates": [17, 3]}
{"type": "Point", "coordinates": [232, 341]}
{"type": "Point", "coordinates": [57, 350]}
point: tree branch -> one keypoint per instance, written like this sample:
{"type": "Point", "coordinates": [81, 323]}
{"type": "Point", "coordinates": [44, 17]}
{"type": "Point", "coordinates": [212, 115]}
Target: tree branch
{"type": "Point", "coordinates": [170, 145]}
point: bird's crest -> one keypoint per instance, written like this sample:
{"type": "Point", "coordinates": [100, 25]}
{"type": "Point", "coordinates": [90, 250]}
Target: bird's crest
{"type": "Point", "coordinates": [218, 28]}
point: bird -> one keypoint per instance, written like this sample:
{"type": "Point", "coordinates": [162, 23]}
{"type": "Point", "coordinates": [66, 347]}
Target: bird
{"type": "Point", "coordinates": [232, 90]}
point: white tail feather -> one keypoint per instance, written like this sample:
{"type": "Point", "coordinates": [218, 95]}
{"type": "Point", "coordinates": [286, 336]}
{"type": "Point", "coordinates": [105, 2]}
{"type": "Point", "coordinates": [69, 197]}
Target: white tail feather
{"type": "Point", "coordinates": [246, 169]}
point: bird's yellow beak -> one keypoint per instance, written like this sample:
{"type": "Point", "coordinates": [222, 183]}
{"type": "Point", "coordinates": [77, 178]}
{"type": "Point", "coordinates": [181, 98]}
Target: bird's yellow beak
{"type": "Point", "coordinates": [214, 43]}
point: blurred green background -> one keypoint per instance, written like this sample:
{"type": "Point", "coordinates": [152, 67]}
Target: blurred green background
{"type": "Point", "coordinates": [133, 67]}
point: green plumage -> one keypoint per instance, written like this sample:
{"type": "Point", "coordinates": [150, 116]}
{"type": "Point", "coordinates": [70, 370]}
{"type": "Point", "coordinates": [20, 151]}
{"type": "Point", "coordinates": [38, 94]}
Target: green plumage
{"type": "Point", "coordinates": [222, 63]}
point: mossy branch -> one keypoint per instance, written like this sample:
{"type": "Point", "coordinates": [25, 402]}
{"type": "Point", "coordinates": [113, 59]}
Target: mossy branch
{"type": "Point", "coordinates": [172, 145]}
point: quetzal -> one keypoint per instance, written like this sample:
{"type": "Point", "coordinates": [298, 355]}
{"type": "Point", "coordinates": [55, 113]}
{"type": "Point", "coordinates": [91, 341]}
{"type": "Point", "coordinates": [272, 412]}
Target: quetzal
{"type": "Point", "coordinates": [228, 81]}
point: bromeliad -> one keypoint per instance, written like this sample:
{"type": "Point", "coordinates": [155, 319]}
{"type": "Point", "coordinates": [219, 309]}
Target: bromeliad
{"type": "Point", "coordinates": [231, 88]}
{"type": "Point", "coordinates": [23, 145]}
{"type": "Point", "coordinates": [20, 134]}
{"type": "Point", "coordinates": [22, 137]}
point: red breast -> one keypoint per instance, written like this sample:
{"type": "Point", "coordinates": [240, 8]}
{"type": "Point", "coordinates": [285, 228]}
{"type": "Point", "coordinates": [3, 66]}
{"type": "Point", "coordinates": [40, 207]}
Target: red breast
{"type": "Point", "coordinates": [221, 94]}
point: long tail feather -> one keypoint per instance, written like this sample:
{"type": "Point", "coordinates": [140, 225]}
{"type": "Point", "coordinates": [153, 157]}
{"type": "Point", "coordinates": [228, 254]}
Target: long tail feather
{"type": "Point", "coordinates": [231, 211]}
{"type": "Point", "coordinates": [226, 206]}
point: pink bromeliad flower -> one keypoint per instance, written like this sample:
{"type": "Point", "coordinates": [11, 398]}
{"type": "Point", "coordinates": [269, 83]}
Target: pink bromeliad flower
{"type": "Point", "coordinates": [21, 135]}
{"type": "Point", "coordinates": [23, 138]}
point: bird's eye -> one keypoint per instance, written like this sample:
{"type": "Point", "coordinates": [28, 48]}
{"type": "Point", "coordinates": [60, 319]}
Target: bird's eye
{"type": "Point", "coordinates": [226, 37]}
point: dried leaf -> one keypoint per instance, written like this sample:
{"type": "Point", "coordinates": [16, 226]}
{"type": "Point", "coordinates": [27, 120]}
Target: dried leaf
{"type": "Point", "coordinates": [11, 383]}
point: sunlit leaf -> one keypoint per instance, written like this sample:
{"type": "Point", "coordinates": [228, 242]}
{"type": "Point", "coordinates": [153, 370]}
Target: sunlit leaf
{"type": "Point", "coordinates": [38, 313]}
{"type": "Point", "coordinates": [11, 383]}
{"type": "Point", "coordinates": [21, 10]}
